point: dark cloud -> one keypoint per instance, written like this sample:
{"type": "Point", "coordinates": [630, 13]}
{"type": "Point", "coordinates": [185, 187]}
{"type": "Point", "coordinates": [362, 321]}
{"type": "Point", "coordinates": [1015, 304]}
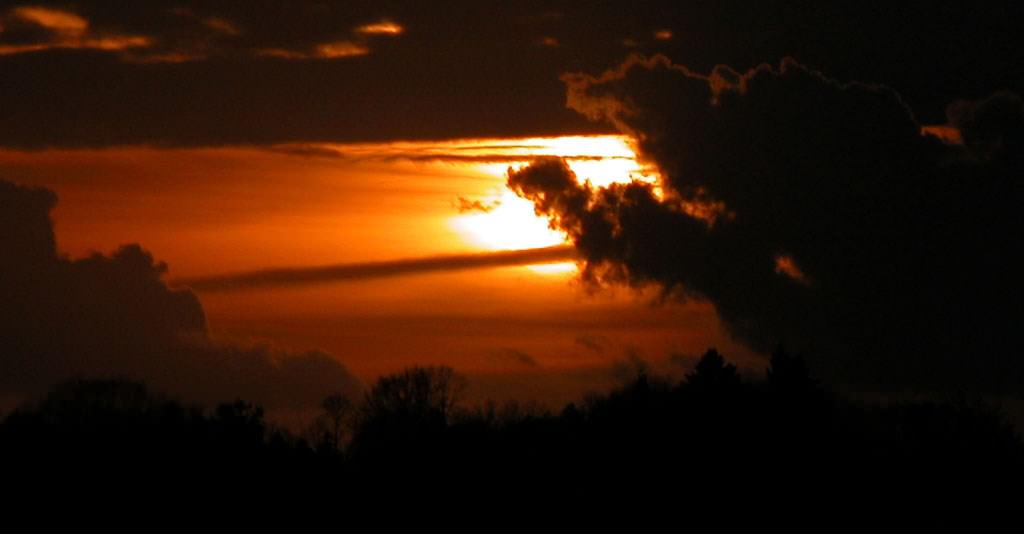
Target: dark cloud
{"type": "Point", "coordinates": [88, 99]}
{"type": "Point", "coordinates": [380, 269]}
{"type": "Point", "coordinates": [466, 205]}
{"type": "Point", "coordinates": [991, 127]}
{"type": "Point", "coordinates": [811, 212]}
{"type": "Point", "coordinates": [514, 357]}
{"type": "Point", "coordinates": [113, 315]}
{"type": "Point", "coordinates": [594, 342]}
{"type": "Point", "coordinates": [191, 72]}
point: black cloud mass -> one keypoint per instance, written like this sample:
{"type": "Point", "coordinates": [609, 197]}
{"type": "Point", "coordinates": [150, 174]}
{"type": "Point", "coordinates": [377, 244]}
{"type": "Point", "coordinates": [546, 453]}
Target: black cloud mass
{"type": "Point", "coordinates": [814, 213]}
{"type": "Point", "coordinates": [114, 316]}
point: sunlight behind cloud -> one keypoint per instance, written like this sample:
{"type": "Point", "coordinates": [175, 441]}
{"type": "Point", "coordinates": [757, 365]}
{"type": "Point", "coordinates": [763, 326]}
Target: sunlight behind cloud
{"type": "Point", "coordinates": [601, 160]}
{"type": "Point", "coordinates": [502, 221]}
{"type": "Point", "coordinates": [511, 225]}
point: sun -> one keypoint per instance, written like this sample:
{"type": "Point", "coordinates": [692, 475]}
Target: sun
{"type": "Point", "coordinates": [510, 222]}
{"type": "Point", "coordinates": [510, 225]}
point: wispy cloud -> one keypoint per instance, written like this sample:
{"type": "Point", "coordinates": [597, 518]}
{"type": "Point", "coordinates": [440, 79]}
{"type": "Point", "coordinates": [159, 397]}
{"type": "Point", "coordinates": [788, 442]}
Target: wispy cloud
{"type": "Point", "coordinates": [465, 205]}
{"type": "Point", "coordinates": [382, 27]}
{"type": "Point", "coordinates": [331, 50]}
{"type": "Point", "coordinates": [353, 46]}
{"type": "Point", "coordinates": [65, 30]}
{"type": "Point", "coordinates": [222, 25]}
{"type": "Point", "coordinates": [380, 269]}
{"type": "Point", "coordinates": [63, 22]}
{"type": "Point", "coordinates": [338, 49]}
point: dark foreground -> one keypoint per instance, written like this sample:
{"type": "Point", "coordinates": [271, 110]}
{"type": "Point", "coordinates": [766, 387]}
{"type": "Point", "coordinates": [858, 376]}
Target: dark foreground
{"type": "Point", "coordinates": [713, 449]}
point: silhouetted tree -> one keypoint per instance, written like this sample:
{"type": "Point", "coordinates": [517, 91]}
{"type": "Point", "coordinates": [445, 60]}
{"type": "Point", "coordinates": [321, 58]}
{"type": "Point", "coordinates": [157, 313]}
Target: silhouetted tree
{"type": "Point", "coordinates": [421, 393]}
{"type": "Point", "coordinates": [712, 372]}
{"type": "Point", "coordinates": [406, 408]}
{"type": "Point", "coordinates": [619, 447]}
{"type": "Point", "coordinates": [334, 423]}
{"type": "Point", "coordinates": [83, 401]}
{"type": "Point", "coordinates": [241, 421]}
{"type": "Point", "coordinates": [787, 372]}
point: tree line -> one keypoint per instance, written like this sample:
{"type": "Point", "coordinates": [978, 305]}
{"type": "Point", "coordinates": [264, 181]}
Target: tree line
{"type": "Point", "coordinates": [410, 437]}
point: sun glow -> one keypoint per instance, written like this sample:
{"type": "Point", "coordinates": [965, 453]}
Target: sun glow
{"type": "Point", "coordinates": [602, 159]}
{"type": "Point", "coordinates": [512, 222]}
{"type": "Point", "coordinates": [510, 225]}
{"type": "Point", "coordinates": [491, 217]}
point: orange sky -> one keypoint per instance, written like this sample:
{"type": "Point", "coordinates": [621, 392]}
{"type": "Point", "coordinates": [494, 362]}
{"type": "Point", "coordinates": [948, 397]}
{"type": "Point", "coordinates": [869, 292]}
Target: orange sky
{"type": "Point", "coordinates": [517, 331]}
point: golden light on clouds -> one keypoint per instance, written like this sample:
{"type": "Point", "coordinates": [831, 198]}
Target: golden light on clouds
{"type": "Point", "coordinates": [340, 49]}
{"type": "Point", "coordinates": [947, 134]}
{"type": "Point", "coordinates": [52, 19]}
{"type": "Point", "coordinates": [281, 53]}
{"type": "Point", "coordinates": [786, 265]}
{"type": "Point", "coordinates": [69, 31]}
{"type": "Point", "coordinates": [117, 42]}
{"type": "Point", "coordinates": [510, 222]}
{"type": "Point", "coordinates": [493, 217]}
{"type": "Point", "coordinates": [332, 50]}
{"type": "Point", "coordinates": [600, 159]}
{"type": "Point", "coordinates": [221, 25]}
{"type": "Point", "coordinates": [210, 211]}
{"type": "Point", "coordinates": [383, 27]}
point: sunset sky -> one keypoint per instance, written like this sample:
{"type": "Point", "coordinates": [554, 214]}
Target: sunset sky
{"type": "Point", "coordinates": [229, 138]}
{"type": "Point", "coordinates": [530, 330]}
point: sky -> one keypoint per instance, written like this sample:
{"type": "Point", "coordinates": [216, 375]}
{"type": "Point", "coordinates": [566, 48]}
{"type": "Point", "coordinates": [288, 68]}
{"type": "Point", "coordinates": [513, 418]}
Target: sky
{"type": "Point", "coordinates": [323, 192]}
{"type": "Point", "coordinates": [521, 331]}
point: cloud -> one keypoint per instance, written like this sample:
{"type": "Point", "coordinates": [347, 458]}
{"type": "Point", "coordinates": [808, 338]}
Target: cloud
{"type": "Point", "coordinates": [37, 28]}
{"type": "Point", "coordinates": [65, 23]}
{"type": "Point", "coordinates": [514, 357]}
{"type": "Point", "coordinates": [352, 46]}
{"type": "Point", "coordinates": [991, 127]}
{"type": "Point", "coordinates": [184, 35]}
{"type": "Point", "coordinates": [467, 206]}
{"type": "Point", "coordinates": [329, 50]}
{"type": "Point", "coordinates": [594, 342]}
{"type": "Point", "coordinates": [338, 49]}
{"type": "Point", "coordinates": [282, 53]}
{"type": "Point", "coordinates": [838, 228]}
{"type": "Point", "coordinates": [380, 269]}
{"type": "Point", "coordinates": [172, 92]}
{"type": "Point", "coordinates": [447, 151]}
{"type": "Point", "coordinates": [382, 27]}
{"type": "Point", "coordinates": [107, 315]}
{"type": "Point", "coordinates": [222, 25]}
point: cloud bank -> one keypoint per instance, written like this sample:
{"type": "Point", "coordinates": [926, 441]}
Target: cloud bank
{"type": "Point", "coordinates": [810, 212]}
{"type": "Point", "coordinates": [96, 73]}
{"type": "Point", "coordinates": [113, 315]}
